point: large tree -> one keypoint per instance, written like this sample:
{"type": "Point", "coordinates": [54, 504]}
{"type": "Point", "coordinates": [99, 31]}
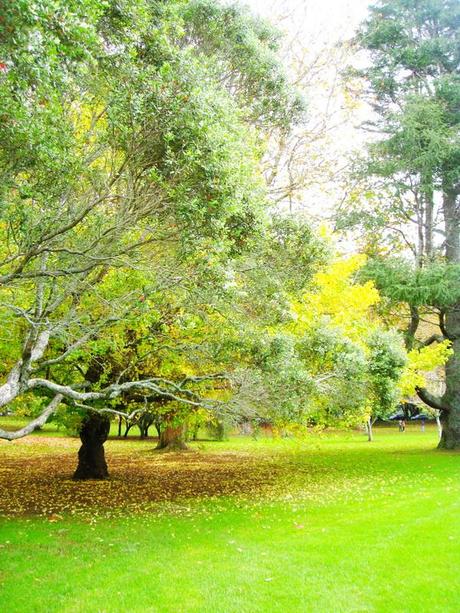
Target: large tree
{"type": "Point", "coordinates": [414, 82]}
{"type": "Point", "coordinates": [200, 335]}
{"type": "Point", "coordinates": [123, 148]}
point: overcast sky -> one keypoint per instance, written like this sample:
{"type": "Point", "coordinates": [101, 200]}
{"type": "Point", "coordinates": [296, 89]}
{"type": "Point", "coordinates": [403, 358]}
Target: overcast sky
{"type": "Point", "coordinates": [331, 19]}
{"type": "Point", "coordinates": [318, 25]}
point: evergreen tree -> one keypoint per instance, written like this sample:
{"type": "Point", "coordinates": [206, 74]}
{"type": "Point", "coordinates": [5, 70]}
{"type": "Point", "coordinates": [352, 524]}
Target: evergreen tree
{"type": "Point", "coordinates": [414, 81]}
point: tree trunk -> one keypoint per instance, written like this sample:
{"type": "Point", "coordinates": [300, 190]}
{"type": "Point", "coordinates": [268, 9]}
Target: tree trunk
{"type": "Point", "coordinates": [428, 199]}
{"type": "Point", "coordinates": [450, 438]}
{"type": "Point", "coordinates": [370, 435]}
{"type": "Point", "coordinates": [438, 424]}
{"type": "Point", "coordinates": [91, 458]}
{"type": "Point", "coordinates": [220, 431]}
{"type": "Point", "coordinates": [412, 328]}
{"type": "Point", "coordinates": [127, 429]}
{"type": "Point", "coordinates": [172, 436]}
{"type": "Point", "coordinates": [144, 425]}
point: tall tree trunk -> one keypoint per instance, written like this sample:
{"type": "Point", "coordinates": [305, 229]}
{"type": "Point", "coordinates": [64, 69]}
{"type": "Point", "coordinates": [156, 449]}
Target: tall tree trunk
{"type": "Point", "coordinates": [450, 438]}
{"type": "Point", "coordinates": [91, 457]}
{"type": "Point", "coordinates": [428, 198]}
{"type": "Point", "coordinates": [172, 436]}
{"type": "Point", "coordinates": [412, 328]}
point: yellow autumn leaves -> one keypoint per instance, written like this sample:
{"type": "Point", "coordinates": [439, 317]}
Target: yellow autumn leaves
{"type": "Point", "coordinates": [346, 305]}
{"type": "Point", "coordinates": [349, 306]}
{"type": "Point", "coordinates": [421, 361]}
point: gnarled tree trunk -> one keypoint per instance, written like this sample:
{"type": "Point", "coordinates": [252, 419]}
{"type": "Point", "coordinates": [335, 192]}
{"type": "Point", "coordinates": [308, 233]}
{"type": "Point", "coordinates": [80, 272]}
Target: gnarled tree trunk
{"type": "Point", "coordinates": [172, 435]}
{"type": "Point", "coordinates": [450, 436]}
{"type": "Point", "coordinates": [91, 457]}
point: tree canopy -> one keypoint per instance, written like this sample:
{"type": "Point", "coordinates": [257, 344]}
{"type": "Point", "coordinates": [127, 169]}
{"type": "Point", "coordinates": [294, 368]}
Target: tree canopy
{"type": "Point", "coordinates": [144, 271]}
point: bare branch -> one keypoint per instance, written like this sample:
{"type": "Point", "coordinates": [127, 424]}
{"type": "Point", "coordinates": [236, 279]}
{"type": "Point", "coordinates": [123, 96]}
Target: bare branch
{"type": "Point", "coordinates": [33, 425]}
{"type": "Point", "coordinates": [434, 338]}
{"type": "Point", "coordinates": [116, 389]}
{"type": "Point", "coordinates": [435, 402]}
{"type": "Point", "coordinates": [11, 389]}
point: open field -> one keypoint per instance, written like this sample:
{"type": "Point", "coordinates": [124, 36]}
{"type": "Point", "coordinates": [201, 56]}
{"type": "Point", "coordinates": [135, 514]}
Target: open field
{"type": "Point", "coordinates": [328, 523]}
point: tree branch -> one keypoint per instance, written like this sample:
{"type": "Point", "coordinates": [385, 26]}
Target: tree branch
{"type": "Point", "coordinates": [36, 423]}
{"type": "Point", "coordinates": [434, 338]}
{"type": "Point", "coordinates": [114, 390]}
{"type": "Point", "coordinates": [435, 402]}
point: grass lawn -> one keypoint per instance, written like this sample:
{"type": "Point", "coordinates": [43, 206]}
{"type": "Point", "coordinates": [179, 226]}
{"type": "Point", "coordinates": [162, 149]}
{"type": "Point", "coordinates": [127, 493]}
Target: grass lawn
{"type": "Point", "coordinates": [330, 523]}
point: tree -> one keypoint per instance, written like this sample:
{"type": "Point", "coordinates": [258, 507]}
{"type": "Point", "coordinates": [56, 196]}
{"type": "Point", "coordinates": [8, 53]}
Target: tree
{"type": "Point", "coordinates": [187, 335]}
{"type": "Point", "coordinates": [415, 86]}
{"type": "Point", "coordinates": [328, 362]}
{"type": "Point", "coordinates": [369, 359]}
{"type": "Point", "coordinates": [122, 150]}
{"type": "Point", "coordinates": [386, 361]}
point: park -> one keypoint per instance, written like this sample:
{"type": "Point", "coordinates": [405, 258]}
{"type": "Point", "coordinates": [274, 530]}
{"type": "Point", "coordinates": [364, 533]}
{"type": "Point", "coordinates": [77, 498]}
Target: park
{"type": "Point", "coordinates": [326, 523]}
{"type": "Point", "coordinates": [229, 306]}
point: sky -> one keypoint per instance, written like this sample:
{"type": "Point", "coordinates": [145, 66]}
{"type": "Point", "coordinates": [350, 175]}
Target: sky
{"type": "Point", "coordinates": [326, 19]}
{"type": "Point", "coordinates": [317, 25]}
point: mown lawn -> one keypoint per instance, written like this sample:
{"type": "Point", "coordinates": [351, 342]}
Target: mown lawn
{"type": "Point", "coordinates": [329, 523]}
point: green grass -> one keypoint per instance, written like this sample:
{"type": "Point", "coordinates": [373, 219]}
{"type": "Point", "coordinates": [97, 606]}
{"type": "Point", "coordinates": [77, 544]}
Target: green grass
{"type": "Point", "coordinates": [349, 526]}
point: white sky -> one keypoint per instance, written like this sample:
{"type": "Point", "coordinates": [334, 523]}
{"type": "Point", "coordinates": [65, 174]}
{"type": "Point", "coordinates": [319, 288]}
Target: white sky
{"type": "Point", "coordinates": [318, 25]}
{"type": "Point", "coordinates": [327, 19]}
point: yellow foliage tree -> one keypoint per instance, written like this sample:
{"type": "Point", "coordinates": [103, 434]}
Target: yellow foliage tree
{"type": "Point", "coordinates": [420, 362]}
{"type": "Point", "coordinates": [344, 303]}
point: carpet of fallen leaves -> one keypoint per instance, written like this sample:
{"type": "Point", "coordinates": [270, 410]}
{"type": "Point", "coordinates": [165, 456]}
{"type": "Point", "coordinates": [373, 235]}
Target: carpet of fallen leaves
{"type": "Point", "coordinates": [36, 477]}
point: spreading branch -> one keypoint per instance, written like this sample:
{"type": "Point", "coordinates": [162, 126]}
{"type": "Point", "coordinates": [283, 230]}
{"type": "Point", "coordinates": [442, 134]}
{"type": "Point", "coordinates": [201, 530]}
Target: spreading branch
{"type": "Point", "coordinates": [435, 402]}
{"type": "Point", "coordinates": [155, 387]}
{"type": "Point", "coordinates": [36, 423]}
